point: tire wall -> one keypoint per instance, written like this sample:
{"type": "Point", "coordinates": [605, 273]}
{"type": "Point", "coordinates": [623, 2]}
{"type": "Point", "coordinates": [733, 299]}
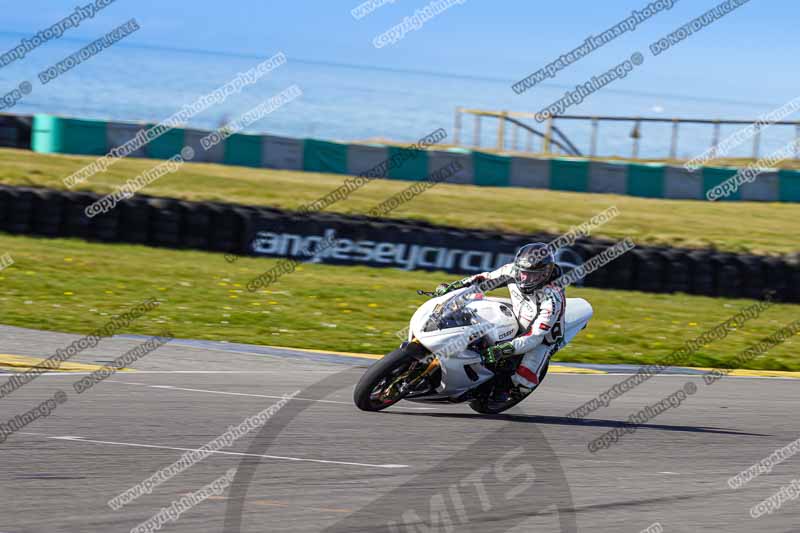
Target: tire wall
{"type": "Point", "coordinates": [15, 131]}
{"type": "Point", "coordinates": [409, 245]}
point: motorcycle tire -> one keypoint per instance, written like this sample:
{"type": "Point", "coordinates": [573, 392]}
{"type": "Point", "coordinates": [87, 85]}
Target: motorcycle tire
{"type": "Point", "coordinates": [382, 370]}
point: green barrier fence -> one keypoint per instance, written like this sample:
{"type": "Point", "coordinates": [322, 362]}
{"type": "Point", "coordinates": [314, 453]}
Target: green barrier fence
{"type": "Point", "coordinates": [51, 134]}
{"type": "Point", "coordinates": [243, 150]}
{"type": "Point", "coordinates": [646, 181]}
{"type": "Point", "coordinates": [789, 186]}
{"type": "Point", "coordinates": [491, 170]}
{"type": "Point", "coordinates": [324, 156]}
{"type": "Point", "coordinates": [413, 166]}
{"type": "Point", "coordinates": [714, 176]}
{"type": "Point", "coordinates": [566, 175]}
{"type": "Point", "coordinates": [68, 135]}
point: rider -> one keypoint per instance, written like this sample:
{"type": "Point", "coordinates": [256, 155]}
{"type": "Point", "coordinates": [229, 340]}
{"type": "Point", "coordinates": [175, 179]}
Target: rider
{"type": "Point", "coordinates": [539, 310]}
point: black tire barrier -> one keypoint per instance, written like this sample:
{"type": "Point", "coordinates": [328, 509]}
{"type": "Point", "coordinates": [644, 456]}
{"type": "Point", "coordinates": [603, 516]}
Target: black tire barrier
{"type": "Point", "coordinates": [76, 223]}
{"type": "Point", "coordinates": [106, 227]}
{"type": "Point", "coordinates": [225, 229]}
{"type": "Point", "coordinates": [5, 205]}
{"type": "Point", "coordinates": [15, 131]}
{"type": "Point", "coordinates": [678, 276]}
{"type": "Point", "coordinates": [728, 281]}
{"type": "Point", "coordinates": [197, 226]}
{"type": "Point", "coordinates": [165, 223]}
{"type": "Point", "coordinates": [369, 241]}
{"type": "Point", "coordinates": [794, 282]}
{"type": "Point", "coordinates": [48, 213]}
{"type": "Point", "coordinates": [20, 211]}
{"type": "Point", "coordinates": [649, 271]}
{"type": "Point", "coordinates": [134, 221]}
{"type": "Point", "coordinates": [701, 272]}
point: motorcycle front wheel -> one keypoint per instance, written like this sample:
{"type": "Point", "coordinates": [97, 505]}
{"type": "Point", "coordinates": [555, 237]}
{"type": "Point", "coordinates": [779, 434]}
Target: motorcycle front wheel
{"type": "Point", "coordinates": [383, 384]}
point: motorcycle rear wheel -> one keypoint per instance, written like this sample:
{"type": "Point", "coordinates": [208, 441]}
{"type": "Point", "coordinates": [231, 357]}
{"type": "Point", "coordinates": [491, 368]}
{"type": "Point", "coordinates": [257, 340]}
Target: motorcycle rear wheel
{"type": "Point", "coordinates": [485, 406]}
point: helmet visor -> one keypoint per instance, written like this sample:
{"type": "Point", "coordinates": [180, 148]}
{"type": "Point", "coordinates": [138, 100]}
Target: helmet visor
{"type": "Point", "coordinates": [533, 278]}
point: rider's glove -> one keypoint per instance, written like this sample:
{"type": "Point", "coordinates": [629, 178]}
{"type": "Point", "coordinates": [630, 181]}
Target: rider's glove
{"type": "Point", "coordinates": [444, 288]}
{"type": "Point", "coordinates": [499, 350]}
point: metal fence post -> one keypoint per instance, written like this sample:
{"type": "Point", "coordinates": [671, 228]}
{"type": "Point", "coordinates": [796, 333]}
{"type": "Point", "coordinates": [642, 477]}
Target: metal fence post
{"type": "Point", "coordinates": [673, 149]}
{"type": "Point", "coordinates": [548, 135]}
{"type": "Point", "coordinates": [514, 137]}
{"type": "Point", "coordinates": [757, 141]}
{"type": "Point", "coordinates": [501, 130]}
{"type": "Point", "coordinates": [797, 141]}
{"type": "Point", "coordinates": [636, 134]}
{"type": "Point", "coordinates": [715, 140]}
{"type": "Point", "coordinates": [457, 127]}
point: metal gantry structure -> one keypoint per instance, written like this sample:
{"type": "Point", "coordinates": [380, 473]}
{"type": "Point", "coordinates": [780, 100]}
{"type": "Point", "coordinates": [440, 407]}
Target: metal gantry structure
{"type": "Point", "coordinates": [554, 140]}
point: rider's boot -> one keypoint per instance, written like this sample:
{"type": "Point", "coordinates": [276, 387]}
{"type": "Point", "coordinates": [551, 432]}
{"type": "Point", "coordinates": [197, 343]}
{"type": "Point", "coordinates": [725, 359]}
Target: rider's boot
{"type": "Point", "coordinates": [533, 367]}
{"type": "Point", "coordinates": [502, 388]}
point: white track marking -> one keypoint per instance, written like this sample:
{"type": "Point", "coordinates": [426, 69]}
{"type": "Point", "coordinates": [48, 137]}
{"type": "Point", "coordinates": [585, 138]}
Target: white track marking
{"type": "Point", "coordinates": [70, 373]}
{"type": "Point", "coordinates": [612, 375]}
{"type": "Point", "coordinates": [227, 393]}
{"type": "Point", "coordinates": [277, 457]}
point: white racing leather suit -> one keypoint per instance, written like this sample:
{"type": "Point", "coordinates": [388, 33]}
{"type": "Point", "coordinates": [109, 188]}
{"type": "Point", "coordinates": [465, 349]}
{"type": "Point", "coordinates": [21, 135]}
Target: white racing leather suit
{"type": "Point", "coordinates": [541, 322]}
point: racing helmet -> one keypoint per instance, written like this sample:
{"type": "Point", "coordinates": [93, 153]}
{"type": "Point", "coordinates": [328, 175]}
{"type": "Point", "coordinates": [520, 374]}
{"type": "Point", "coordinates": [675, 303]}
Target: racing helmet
{"type": "Point", "coordinates": [534, 266]}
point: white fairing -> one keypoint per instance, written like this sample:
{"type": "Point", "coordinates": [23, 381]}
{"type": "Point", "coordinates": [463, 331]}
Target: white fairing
{"type": "Point", "coordinates": [462, 368]}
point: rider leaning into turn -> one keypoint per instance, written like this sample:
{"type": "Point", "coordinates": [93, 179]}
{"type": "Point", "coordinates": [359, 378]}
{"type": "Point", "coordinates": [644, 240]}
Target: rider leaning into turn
{"type": "Point", "coordinates": [539, 309]}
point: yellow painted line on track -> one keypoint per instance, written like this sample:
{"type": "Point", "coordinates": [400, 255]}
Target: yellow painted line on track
{"type": "Point", "coordinates": [558, 369]}
{"type": "Point", "coordinates": [24, 362]}
{"type": "Point", "coordinates": [329, 352]}
{"type": "Point", "coordinates": [561, 369]}
{"type": "Point", "coordinates": [755, 373]}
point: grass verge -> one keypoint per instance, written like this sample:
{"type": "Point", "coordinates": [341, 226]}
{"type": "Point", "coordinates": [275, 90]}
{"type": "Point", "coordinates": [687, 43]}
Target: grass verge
{"type": "Point", "coordinates": [74, 286]}
{"type": "Point", "coordinates": [770, 228]}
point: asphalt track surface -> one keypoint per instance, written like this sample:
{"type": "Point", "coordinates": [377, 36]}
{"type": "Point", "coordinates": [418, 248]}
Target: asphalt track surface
{"type": "Point", "coordinates": [321, 465]}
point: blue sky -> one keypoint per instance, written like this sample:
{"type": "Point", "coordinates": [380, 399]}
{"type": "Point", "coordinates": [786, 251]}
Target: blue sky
{"type": "Point", "coordinates": [747, 56]}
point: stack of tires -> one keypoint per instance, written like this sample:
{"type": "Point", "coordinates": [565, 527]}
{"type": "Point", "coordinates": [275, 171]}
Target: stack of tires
{"type": "Point", "coordinates": [229, 228]}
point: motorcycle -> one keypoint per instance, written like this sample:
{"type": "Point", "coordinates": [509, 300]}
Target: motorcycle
{"type": "Point", "coordinates": [441, 362]}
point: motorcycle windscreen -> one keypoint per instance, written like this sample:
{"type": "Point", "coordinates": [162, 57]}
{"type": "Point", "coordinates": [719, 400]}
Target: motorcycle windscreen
{"type": "Point", "coordinates": [451, 314]}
